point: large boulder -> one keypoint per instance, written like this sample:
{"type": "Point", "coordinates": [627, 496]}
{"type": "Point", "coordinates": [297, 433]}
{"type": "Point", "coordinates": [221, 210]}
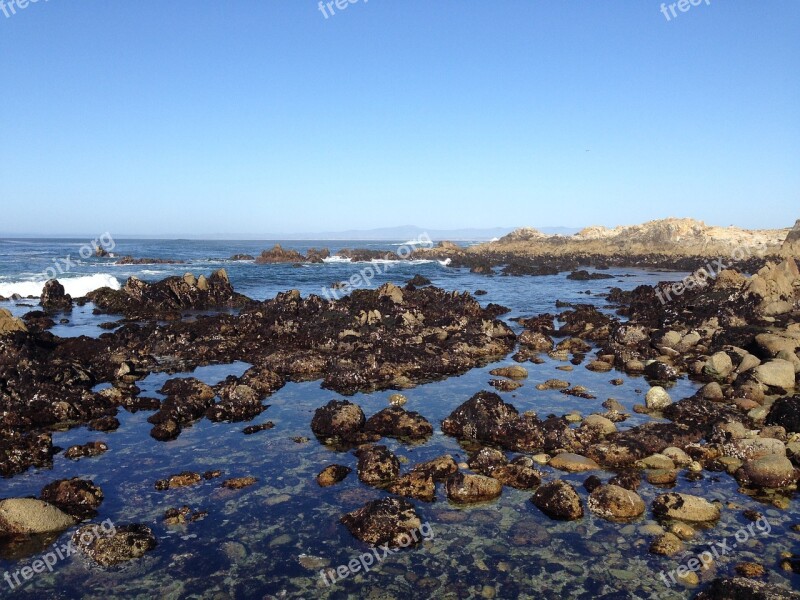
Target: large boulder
{"type": "Point", "coordinates": [771, 471]}
{"type": "Point", "coordinates": [24, 516]}
{"type": "Point", "coordinates": [482, 417]}
{"type": "Point", "coordinates": [776, 373]}
{"type": "Point", "coordinates": [339, 418]}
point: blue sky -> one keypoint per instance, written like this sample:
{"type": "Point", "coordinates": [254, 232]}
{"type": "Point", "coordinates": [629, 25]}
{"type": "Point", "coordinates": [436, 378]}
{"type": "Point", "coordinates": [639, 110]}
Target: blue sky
{"type": "Point", "coordinates": [247, 117]}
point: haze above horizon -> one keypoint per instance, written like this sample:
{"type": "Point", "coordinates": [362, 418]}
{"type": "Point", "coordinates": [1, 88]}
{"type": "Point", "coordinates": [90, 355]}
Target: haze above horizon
{"type": "Point", "coordinates": [255, 117]}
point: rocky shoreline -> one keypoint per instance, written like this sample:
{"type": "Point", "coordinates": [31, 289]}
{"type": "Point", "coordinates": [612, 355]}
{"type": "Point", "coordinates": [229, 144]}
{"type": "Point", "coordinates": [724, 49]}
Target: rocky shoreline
{"type": "Point", "coordinates": [737, 333]}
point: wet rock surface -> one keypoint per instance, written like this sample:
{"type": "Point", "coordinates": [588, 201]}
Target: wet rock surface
{"type": "Point", "coordinates": [558, 500]}
{"type": "Point", "coordinates": [389, 521]}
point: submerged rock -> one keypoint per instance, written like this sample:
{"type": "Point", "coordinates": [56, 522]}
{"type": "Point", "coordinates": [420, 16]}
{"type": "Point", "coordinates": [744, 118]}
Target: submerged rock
{"type": "Point", "coordinates": [333, 474]}
{"type": "Point", "coordinates": [117, 545]}
{"type": "Point", "coordinates": [391, 521]}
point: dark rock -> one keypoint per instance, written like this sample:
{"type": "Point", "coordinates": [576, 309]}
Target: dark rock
{"type": "Point", "coordinates": [438, 468]}
{"type": "Point", "coordinates": [77, 497]}
{"type": "Point", "coordinates": [558, 500]}
{"type": "Point", "coordinates": [740, 588]}
{"type": "Point", "coordinates": [419, 486]}
{"type": "Point", "coordinates": [377, 465]}
{"type": "Point", "coordinates": [90, 449]}
{"type": "Point", "coordinates": [391, 521]}
{"type": "Point", "coordinates": [54, 297]}
{"type": "Point", "coordinates": [396, 422]}
{"type": "Point", "coordinates": [786, 413]}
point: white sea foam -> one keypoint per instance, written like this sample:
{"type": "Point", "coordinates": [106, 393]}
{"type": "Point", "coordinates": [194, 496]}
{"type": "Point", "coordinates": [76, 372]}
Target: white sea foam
{"type": "Point", "coordinates": [336, 259]}
{"type": "Point", "coordinates": [74, 286]}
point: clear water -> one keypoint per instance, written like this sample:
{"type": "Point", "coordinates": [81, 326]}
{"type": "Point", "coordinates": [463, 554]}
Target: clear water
{"type": "Point", "coordinates": [253, 540]}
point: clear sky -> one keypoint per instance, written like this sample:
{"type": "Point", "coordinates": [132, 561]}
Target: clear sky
{"type": "Point", "coordinates": [247, 117]}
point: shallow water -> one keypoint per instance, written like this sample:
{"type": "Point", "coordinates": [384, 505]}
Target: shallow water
{"type": "Point", "coordinates": [252, 542]}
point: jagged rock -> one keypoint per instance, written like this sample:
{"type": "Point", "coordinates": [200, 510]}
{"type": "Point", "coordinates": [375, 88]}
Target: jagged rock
{"type": "Point", "coordinates": [332, 475]}
{"type": "Point", "coordinates": [9, 323]}
{"type": "Point", "coordinates": [25, 516]}
{"type": "Point", "coordinates": [278, 255]}
{"type": "Point", "coordinates": [468, 489]}
{"type": "Point", "coordinates": [180, 480]}
{"type": "Point", "coordinates": [558, 500]}
{"type": "Point", "coordinates": [391, 521]}
{"type": "Point", "coordinates": [786, 413]}
{"type": "Point", "coordinates": [54, 297]}
{"type": "Point", "coordinates": [90, 449]}
{"type": "Point", "coordinates": [237, 483]}
{"type": "Point", "coordinates": [521, 477]}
